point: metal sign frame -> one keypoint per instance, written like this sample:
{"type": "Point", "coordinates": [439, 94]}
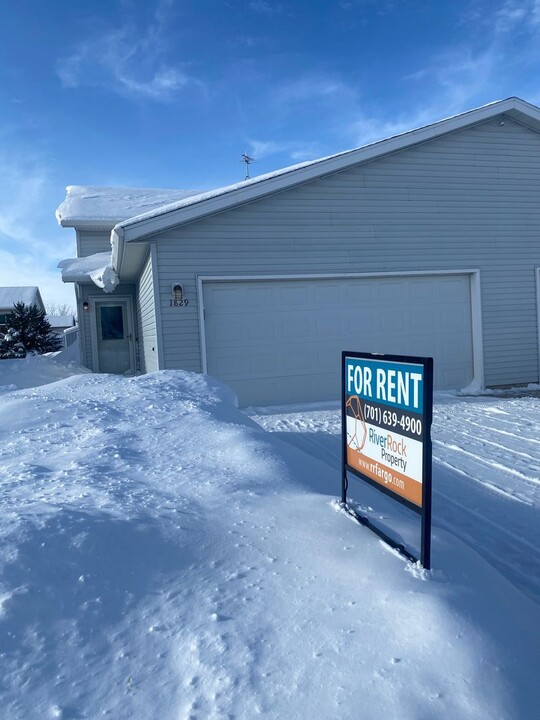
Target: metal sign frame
{"type": "Point", "coordinates": [427, 416]}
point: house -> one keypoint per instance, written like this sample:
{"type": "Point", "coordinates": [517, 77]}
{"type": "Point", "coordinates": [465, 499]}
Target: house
{"type": "Point", "coordinates": [65, 327]}
{"type": "Point", "coordinates": [59, 323]}
{"type": "Point", "coordinates": [426, 243]}
{"type": "Point", "coordinates": [29, 295]}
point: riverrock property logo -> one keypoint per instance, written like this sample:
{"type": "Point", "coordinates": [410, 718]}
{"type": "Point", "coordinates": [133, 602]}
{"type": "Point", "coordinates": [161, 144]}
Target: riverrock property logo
{"type": "Point", "coordinates": [356, 424]}
{"type": "Point", "coordinates": [384, 421]}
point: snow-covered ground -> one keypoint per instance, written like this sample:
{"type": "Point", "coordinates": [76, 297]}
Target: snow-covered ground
{"type": "Point", "coordinates": [486, 472]}
{"type": "Point", "coordinates": [162, 556]}
{"type": "Point", "coordinates": [35, 370]}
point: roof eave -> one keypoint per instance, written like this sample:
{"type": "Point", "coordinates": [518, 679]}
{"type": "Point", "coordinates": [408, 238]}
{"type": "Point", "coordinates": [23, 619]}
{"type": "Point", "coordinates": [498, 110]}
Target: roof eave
{"type": "Point", "coordinates": [81, 279]}
{"type": "Point", "coordinates": [85, 224]}
{"type": "Point", "coordinates": [518, 109]}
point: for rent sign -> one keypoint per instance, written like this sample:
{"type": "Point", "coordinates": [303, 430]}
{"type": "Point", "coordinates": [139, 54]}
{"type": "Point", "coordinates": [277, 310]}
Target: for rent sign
{"type": "Point", "coordinates": [387, 410]}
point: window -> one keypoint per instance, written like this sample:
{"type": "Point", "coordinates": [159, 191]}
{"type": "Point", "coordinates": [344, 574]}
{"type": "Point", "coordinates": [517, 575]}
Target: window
{"type": "Point", "coordinates": [4, 320]}
{"type": "Point", "coordinates": [112, 322]}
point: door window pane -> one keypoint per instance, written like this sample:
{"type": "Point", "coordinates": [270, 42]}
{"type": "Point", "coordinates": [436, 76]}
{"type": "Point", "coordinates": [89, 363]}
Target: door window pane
{"type": "Point", "coordinates": [112, 322]}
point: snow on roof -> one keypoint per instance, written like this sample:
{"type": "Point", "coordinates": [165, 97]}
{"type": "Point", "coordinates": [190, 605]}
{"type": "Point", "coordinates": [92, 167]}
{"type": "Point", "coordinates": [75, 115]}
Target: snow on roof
{"type": "Point", "coordinates": [200, 197]}
{"type": "Point", "coordinates": [96, 268]}
{"type": "Point", "coordinates": [108, 206]}
{"type": "Point", "coordinates": [61, 321]}
{"type": "Point", "coordinates": [84, 266]}
{"type": "Point", "coordinates": [29, 295]}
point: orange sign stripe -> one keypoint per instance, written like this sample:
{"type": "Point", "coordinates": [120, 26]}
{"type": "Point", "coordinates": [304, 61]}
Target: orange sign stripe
{"type": "Point", "coordinates": [403, 485]}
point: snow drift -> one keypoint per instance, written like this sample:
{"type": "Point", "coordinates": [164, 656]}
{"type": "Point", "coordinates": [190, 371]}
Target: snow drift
{"type": "Point", "coordinates": [164, 557]}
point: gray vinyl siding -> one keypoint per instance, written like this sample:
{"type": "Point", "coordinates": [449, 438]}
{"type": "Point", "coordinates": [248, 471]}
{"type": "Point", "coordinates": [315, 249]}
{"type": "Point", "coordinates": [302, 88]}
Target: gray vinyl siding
{"type": "Point", "coordinates": [85, 332]}
{"type": "Point", "coordinates": [146, 319]}
{"type": "Point", "coordinates": [468, 200]}
{"type": "Point", "coordinates": [90, 242]}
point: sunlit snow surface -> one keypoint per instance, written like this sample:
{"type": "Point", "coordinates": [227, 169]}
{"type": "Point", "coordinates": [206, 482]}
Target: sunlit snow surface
{"type": "Point", "coordinates": [486, 471]}
{"type": "Point", "coordinates": [164, 557]}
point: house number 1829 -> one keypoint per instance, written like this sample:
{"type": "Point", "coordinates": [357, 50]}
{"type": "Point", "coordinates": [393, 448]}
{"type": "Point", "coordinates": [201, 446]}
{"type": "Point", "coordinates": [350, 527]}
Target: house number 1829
{"type": "Point", "coordinates": [179, 303]}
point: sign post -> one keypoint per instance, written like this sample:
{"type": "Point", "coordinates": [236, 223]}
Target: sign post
{"type": "Point", "coordinates": [387, 410]}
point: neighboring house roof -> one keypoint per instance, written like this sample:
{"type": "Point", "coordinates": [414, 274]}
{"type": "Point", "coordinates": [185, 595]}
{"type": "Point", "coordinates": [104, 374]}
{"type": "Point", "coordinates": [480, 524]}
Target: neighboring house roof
{"type": "Point", "coordinates": [89, 206]}
{"type": "Point", "coordinates": [198, 206]}
{"type": "Point", "coordinates": [29, 295]}
{"type": "Point", "coordinates": [61, 321]}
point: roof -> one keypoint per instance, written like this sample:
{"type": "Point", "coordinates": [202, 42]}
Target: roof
{"type": "Point", "coordinates": [198, 206]}
{"type": "Point", "coordinates": [28, 294]}
{"type": "Point", "coordinates": [90, 206]}
{"type": "Point", "coordinates": [61, 321]}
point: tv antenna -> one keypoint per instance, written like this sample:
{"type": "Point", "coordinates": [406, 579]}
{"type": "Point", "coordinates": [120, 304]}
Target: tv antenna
{"type": "Point", "coordinates": [248, 160]}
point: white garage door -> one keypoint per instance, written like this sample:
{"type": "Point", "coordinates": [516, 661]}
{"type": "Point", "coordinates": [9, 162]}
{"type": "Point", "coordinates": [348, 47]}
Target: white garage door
{"type": "Point", "coordinates": [280, 341]}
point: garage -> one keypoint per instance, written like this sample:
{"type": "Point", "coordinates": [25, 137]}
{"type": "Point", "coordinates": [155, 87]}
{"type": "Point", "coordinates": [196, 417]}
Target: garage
{"type": "Point", "coordinates": [279, 340]}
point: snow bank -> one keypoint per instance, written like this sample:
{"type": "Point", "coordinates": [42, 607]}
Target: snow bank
{"type": "Point", "coordinates": [35, 370]}
{"type": "Point", "coordinates": [164, 557]}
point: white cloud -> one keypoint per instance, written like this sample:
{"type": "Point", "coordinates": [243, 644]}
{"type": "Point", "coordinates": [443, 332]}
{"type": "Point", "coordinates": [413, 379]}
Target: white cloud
{"type": "Point", "coordinates": [466, 76]}
{"type": "Point", "coordinates": [265, 7]}
{"type": "Point", "coordinates": [452, 86]}
{"type": "Point", "coordinates": [128, 61]}
{"type": "Point", "coordinates": [514, 12]}
{"type": "Point", "coordinates": [297, 151]}
{"type": "Point", "coordinates": [29, 270]}
{"type": "Point", "coordinates": [260, 148]}
{"type": "Point", "coordinates": [29, 251]}
{"type": "Point", "coordinates": [313, 87]}
{"type": "Point", "coordinates": [22, 179]}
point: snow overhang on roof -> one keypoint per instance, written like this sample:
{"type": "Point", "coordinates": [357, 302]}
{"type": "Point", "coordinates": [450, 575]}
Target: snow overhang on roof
{"type": "Point", "coordinates": [94, 268]}
{"type": "Point", "coordinates": [201, 205]}
{"type": "Point", "coordinates": [87, 206]}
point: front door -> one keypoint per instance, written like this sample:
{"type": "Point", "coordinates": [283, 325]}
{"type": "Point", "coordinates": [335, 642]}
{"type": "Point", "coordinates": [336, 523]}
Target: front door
{"type": "Point", "coordinates": [114, 336]}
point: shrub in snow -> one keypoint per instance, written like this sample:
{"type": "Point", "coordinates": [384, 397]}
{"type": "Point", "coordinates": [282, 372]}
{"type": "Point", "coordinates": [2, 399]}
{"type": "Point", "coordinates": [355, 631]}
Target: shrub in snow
{"type": "Point", "coordinates": [28, 331]}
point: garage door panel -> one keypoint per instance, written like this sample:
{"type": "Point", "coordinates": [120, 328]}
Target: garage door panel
{"type": "Point", "coordinates": [357, 295]}
{"type": "Point", "coordinates": [455, 317]}
{"type": "Point", "coordinates": [235, 365]}
{"type": "Point", "coordinates": [424, 319]}
{"type": "Point", "coordinates": [297, 326]}
{"type": "Point", "coordinates": [421, 292]}
{"type": "Point", "coordinates": [330, 295]}
{"type": "Point", "coordinates": [330, 324]}
{"type": "Point", "coordinates": [392, 292]}
{"type": "Point", "coordinates": [453, 289]}
{"type": "Point", "coordinates": [280, 341]}
{"type": "Point", "coordinates": [362, 321]}
{"type": "Point", "coordinates": [393, 320]}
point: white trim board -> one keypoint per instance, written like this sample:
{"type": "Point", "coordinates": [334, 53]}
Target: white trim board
{"type": "Point", "coordinates": [475, 293]}
{"type": "Point", "coordinates": [157, 305]}
{"type": "Point", "coordinates": [537, 273]}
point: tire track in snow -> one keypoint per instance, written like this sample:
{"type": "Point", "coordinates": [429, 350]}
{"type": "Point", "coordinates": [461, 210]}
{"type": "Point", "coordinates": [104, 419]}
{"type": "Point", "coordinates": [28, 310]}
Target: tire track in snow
{"type": "Point", "coordinates": [492, 443]}
{"type": "Point", "coordinates": [480, 522]}
{"type": "Point", "coordinates": [488, 463]}
{"type": "Point", "coordinates": [485, 483]}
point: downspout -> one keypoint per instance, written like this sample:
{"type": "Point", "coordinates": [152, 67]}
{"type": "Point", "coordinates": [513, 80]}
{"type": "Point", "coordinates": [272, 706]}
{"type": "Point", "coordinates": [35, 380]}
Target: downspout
{"type": "Point", "coordinates": [117, 248]}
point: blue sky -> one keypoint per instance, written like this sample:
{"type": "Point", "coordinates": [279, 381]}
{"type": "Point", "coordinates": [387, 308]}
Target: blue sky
{"type": "Point", "coordinates": [169, 93]}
